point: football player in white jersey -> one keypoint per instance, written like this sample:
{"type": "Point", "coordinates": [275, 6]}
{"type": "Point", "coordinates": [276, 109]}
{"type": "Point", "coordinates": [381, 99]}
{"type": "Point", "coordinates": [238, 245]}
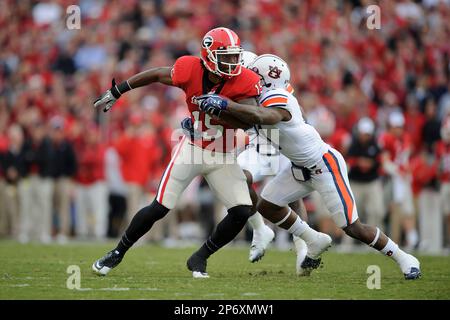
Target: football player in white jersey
{"type": "Point", "coordinates": [315, 166]}
{"type": "Point", "coordinates": [258, 161]}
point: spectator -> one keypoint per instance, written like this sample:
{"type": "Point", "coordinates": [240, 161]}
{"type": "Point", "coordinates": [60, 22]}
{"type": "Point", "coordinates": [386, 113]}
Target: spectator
{"type": "Point", "coordinates": [396, 151]}
{"type": "Point", "coordinates": [425, 189]}
{"type": "Point", "coordinates": [14, 165]}
{"type": "Point", "coordinates": [39, 197]}
{"type": "Point", "coordinates": [443, 159]}
{"type": "Point", "coordinates": [91, 192]}
{"type": "Point", "coordinates": [432, 126]}
{"type": "Point", "coordinates": [64, 171]}
{"type": "Point", "coordinates": [136, 153]}
{"type": "Point", "coordinates": [364, 161]}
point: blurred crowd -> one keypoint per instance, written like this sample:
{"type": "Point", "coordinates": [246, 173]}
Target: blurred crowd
{"type": "Point", "coordinates": [380, 96]}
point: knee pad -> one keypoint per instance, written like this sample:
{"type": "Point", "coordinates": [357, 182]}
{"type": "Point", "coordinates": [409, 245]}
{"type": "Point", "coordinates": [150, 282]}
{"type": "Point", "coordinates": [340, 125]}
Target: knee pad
{"type": "Point", "coordinates": [240, 213]}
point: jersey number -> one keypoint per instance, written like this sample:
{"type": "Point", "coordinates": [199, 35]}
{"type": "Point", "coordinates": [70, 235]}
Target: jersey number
{"type": "Point", "coordinates": [212, 132]}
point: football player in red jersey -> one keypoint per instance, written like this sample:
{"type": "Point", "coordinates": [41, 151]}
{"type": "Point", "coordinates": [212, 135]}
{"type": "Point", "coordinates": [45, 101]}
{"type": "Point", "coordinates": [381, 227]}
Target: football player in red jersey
{"type": "Point", "coordinates": [218, 70]}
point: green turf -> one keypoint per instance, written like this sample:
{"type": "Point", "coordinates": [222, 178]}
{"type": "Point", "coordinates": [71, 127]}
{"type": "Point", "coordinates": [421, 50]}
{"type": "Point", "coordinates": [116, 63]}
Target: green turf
{"type": "Point", "coordinates": [152, 272]}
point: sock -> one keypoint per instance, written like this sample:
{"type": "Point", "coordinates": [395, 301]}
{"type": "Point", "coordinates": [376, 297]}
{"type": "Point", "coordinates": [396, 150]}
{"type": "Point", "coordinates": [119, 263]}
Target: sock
{"type": "Point", "coordinates": [302, 230]}
{"type": "Point", "coordinates": [141, 223]}
{"type": "Point", "coordinates": [225, 231]}
{"type": "Point", "coordinates": [392, 250]}
{"type": "Point", "coordinates": [207, 249]}
{"type": "Point", "coordinates": [256, 221]}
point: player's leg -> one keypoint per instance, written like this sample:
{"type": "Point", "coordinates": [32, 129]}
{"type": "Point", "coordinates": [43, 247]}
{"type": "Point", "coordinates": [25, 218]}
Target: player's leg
{"type": "Point", "coordinates": [262, 234]}
{"type": "Point", "coordinates": [177, 176]}
{"type": "Point", "coordinates": [275, 197]}
{"type": "Point", "coordinates": [341, 204]}
{"type": "Point", "coordinates": [253, 163]}
{"type": "Point", "coordinates": [300, 245]}
{"type": "Point", "coordinates": [228, 182]}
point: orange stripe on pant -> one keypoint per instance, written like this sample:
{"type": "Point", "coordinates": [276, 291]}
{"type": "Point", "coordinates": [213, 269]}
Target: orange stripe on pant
{"type": "Point", "coordinates": [345, 195]}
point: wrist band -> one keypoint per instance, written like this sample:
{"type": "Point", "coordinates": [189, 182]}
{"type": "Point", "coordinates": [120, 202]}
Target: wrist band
{"type": "Point", "coordinates": [120, 89]}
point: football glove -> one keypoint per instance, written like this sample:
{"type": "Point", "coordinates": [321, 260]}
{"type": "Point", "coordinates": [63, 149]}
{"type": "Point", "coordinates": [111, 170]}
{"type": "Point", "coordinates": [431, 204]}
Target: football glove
{"type": "Point", "coordinates": [212, 104]}
{"type": "Point", "coordinates": [108, 99]}
{"type": "Point", "coordinates": [188, 129]}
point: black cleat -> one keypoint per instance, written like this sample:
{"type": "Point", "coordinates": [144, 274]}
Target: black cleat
{"type": "Point", "coordinates": [197, 265]}
{"type": "Point", "coordinates": [309, 265]}
{"type": "Point", "coordinates": [103, 265]}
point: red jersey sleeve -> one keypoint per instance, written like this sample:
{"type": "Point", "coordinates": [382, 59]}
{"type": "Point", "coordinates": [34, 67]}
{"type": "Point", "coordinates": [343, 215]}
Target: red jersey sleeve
{"type": "Point", "coordinates": [182, 70]}
{"type": "Point", "coordinates": [249, 85]}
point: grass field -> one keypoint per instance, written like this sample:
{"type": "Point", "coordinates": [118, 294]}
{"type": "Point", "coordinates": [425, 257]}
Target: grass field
{"type": "Point", "coordinates": [152, 272]}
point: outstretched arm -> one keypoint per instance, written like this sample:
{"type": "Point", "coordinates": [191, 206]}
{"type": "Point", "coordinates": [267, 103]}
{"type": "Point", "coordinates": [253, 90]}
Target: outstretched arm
{"type": "Point", "coordinates": [160, 74]}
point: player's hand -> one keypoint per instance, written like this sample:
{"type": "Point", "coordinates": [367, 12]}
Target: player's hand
{"type": "Point", "coordinates": [212, 104]}
{"type": "Point", "coordinates": [108, 99]}
{"type": "Point", "coordinates": [188, 129]}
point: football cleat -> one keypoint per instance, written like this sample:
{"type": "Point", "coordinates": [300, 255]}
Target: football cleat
{"type": "Point", "coordinates": [411, 268]}
{"type": "Point", "coordinates": [300, 249]}
{"type": "Point", "coordinates": [197, 265]}
{"type": "Point", "coordinates": [315, 249]}
{"type": "Point", "coordinates": [413, 274]}
{"type": "Point", "coordinates": [260, 241]}
{"type": "Point", "coordinates": [103, 265]}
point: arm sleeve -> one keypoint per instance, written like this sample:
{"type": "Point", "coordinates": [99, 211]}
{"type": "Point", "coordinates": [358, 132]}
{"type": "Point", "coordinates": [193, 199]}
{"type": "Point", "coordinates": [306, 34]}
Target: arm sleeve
{"type": "Point", "coordinates": [181, 71]}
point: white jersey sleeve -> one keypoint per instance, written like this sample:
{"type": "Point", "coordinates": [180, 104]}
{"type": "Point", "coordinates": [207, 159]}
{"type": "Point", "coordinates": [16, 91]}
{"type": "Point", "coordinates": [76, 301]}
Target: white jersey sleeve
{"type": "Point", "coordinates": [274, 98]}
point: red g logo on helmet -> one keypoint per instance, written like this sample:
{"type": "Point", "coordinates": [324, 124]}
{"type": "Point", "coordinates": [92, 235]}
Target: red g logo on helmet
{"type": "Point", "coordinates": [221, 52]}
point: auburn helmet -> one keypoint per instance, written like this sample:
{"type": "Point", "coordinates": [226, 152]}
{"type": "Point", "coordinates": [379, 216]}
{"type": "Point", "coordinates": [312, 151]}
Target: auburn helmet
{"type": "Point", "coordinates": [221, 52]}
{"type": "Point", "coordinates": [273, 70]}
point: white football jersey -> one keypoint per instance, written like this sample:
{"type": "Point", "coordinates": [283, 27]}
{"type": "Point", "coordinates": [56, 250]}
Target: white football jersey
{"type": "Point", "coordinates": [297, 140]}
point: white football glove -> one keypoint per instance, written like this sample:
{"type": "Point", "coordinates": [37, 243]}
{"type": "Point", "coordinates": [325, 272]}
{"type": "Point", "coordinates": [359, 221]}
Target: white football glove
{"type": "Point", "coordinates": [107, 99]}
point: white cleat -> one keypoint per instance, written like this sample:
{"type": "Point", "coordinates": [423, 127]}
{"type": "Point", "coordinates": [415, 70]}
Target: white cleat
{"type": "Point", "coordinates": [300, 249]}
{"type": "Point", "coordinates": [198, 274]}
{"type": "Point", "coordinates": [313, 256]}
{"type": "Point", "coordinates": [261, 239]}
{"type": "Point", "coordinates": [410, 268]}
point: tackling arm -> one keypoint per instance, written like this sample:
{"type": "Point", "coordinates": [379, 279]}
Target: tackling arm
{"type": "Point", "coordinates": [248, 110]}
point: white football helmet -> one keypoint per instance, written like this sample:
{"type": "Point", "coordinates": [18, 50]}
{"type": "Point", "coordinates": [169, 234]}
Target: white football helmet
{"type": "Point", "coordinates": [273, 70]}
{"type": "Point", "coordinates": [247, 58]}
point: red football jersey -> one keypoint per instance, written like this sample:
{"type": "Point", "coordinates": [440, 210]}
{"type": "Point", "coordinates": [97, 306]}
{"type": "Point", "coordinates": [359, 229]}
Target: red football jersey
{"type": "Point", "coordinates": [188, 74]}
{"type": "Point", "coordinates": [443, 156]}
{"type": "Point", "coordinates": [399, 148]}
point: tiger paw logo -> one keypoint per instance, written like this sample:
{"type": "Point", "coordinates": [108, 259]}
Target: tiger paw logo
{"type": "Point", "coordinates": [274, 72]}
